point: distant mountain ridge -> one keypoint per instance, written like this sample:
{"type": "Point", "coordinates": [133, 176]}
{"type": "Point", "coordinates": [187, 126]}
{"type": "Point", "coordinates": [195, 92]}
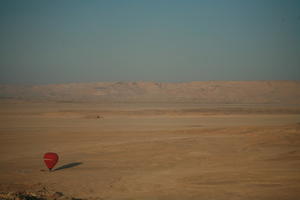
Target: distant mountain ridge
{"type": "Point", "coordinates": [281, 92]}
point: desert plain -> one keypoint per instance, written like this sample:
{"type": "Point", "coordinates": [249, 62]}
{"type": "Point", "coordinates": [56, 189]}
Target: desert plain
{"type": "Point", "coordinates": [168, 150]}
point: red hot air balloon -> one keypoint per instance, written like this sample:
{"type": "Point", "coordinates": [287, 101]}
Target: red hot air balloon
{"type": "Point", "coordinates": [50, 160]}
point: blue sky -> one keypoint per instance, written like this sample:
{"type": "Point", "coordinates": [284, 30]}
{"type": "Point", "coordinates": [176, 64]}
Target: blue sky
{"type": "Point", "coordinates": [61, 41]}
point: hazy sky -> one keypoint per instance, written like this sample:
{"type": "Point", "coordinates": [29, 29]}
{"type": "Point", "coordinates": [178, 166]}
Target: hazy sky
{"type": "Point", "coordinates": [59, 41]}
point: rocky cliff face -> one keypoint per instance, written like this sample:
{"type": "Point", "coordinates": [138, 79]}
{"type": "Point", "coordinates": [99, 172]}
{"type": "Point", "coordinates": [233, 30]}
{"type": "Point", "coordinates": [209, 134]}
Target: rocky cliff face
{"type": "Point", "coordinates": [282, 92]}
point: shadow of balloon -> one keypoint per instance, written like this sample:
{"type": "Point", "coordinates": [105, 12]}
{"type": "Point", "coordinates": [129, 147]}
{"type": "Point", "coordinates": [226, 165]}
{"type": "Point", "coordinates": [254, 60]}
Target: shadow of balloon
{"type": "Point", "coordinates": [70, 165]}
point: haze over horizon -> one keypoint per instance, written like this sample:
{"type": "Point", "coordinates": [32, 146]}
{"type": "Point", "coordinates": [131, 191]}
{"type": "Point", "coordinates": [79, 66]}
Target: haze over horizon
{"type": "Point", "coordinates": [66, 41]}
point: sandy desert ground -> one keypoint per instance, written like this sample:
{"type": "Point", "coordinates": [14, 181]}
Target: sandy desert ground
{"type": "Point", "coordinates": [176, 151]}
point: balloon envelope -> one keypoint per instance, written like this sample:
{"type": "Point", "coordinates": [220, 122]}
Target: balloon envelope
{"type": "Point", "coordinates": [50, 159]}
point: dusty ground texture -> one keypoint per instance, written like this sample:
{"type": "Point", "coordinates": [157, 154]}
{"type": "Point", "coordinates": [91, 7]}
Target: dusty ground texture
{"type": "Point", "coordinates": [151, 151]}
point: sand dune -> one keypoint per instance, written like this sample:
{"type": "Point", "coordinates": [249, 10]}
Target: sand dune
{"type": "Point", "coordinates": [150, 151]}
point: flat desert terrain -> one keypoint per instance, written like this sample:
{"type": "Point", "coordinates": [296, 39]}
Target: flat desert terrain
{"type": "Point", "coordinates": [152, 150]}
